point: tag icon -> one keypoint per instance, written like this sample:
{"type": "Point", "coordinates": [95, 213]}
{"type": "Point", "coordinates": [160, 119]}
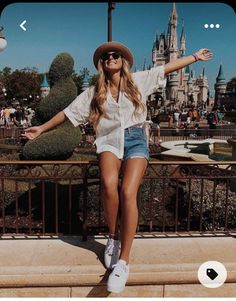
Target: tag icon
{"type": "Point", "coordinates": [211, 273]}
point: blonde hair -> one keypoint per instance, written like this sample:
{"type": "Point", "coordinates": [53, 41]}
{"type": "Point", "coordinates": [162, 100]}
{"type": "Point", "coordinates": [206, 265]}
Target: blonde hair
{"type": "Point", "coordinates": [101, 88]}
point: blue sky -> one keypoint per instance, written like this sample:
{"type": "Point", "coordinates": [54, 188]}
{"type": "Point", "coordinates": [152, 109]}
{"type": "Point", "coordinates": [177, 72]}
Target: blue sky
{"type": "Point", "coordinates": [78, 28]}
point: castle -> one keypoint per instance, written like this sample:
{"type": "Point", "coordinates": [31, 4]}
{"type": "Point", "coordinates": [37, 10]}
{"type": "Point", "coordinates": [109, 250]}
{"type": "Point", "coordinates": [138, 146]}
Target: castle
{"type": "Point", "coordinates": [183, 89]}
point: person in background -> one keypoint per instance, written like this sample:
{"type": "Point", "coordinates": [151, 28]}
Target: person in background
{"type": "Point", "coordinates": [155, 129]}
{"type": "Point", "coordinates": [18, 116]}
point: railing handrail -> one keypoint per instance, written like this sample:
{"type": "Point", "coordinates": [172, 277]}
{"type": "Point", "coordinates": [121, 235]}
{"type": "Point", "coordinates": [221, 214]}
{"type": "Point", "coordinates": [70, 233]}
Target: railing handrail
{"type": "Point", "coordinates": [76, 162]}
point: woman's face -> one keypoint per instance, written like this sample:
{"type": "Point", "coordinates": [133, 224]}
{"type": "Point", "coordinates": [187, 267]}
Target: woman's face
{"type": "Point", "coordinates": [111, 61]}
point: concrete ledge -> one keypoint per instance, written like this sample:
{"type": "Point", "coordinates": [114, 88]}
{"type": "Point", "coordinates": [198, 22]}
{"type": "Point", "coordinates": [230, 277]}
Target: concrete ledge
{"type": "Point", "coordinates": [69, 263]}
{"type": "Point", "coordinates": [142, 274]}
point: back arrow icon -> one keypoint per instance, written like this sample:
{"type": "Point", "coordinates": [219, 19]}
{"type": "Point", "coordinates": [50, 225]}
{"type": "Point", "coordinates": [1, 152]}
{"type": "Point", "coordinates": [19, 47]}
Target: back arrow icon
{"type": "Point", "coordinates": [22, 25]}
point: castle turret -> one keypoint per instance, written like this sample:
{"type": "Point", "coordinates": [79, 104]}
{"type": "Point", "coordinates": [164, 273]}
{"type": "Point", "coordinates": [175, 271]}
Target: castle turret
{"type": "Point", "coordinates": [189, 82]}
{"type": "Point", "coordinates": [159, 50]}
{"type": "Point", "coordinates": [173, 83]}
{"type": "Point", "coordinates": [168, 35]}
{"type": "Point", "coordinates": [44, 87]}
{"type": "Point", "coordinates": [202, 82]}
{"type": "Point", "coordinates": [162, 44]}
{"type": "Point", "coordinates": [187, 69]}
{"type": "Point", "coordinates": [85, 83]}
{"type": "Point", "coordinates": [220, 85]}
{"type": "Point", "coordinates": [154, 51]}
{"type": "Point", "coordinates": [144, 65]}
{"type": "Point", "coordinates": [203, 72]}
{"type": "Point", "coordinates": [182, 41]}
{"type": "Point", "coordinates": [190, 98]}
{"type": "Point", "coordinates": [172, 28]}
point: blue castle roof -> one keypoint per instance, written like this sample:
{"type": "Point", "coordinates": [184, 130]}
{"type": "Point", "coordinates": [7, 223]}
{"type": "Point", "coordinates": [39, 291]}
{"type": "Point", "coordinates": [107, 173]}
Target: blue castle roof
{"type": "Point", "coordinates": [86, 77]}
{"type": "Point", "coordinates": [45, 83]}
{"type": "Point", "coordinates": [190, 78]}
{"type": "Point", "coordinates": [220, 77]}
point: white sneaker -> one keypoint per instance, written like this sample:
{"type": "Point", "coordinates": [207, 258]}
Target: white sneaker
{"type": "Point", "coordinates": [118, 278]}
{"type": "Point", "coordinates": [111, 254]}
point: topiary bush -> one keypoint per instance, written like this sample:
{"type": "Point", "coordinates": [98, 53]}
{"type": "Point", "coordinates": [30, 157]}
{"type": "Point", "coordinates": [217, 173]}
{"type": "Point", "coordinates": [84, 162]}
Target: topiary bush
{"type": "Point", "coordinates": [59, 143]}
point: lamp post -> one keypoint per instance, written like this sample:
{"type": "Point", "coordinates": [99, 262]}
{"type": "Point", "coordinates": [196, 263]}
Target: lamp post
{"type": "Point", "coordinates": [111, 6]}
{"type": "Point", "coordinates": [3, 42]}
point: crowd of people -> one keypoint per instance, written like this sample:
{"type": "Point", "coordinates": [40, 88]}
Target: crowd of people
{"type": "Point", "coordinates": [21, 116]}
{"type": "Point", "coordinates": [18, 116]}
{"type": "Point", "coordinates": [185, 119]}
{"type": "Point", "coordinates": [194, 116]}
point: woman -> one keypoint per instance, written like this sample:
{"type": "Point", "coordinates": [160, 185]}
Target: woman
{"type": "Point", "coordinates": [116, 107]}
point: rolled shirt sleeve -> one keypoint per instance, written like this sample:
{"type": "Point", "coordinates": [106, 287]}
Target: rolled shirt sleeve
{"type": "Point", "coordinates": [78, 111]}
{"type": "Point", "coordinates": [149, 80]}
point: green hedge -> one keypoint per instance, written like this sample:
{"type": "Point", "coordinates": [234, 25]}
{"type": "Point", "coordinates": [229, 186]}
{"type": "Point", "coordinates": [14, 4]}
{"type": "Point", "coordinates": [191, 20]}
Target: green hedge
{"type": "Point", "coordinates": [60, 96]}
{"type": "Point", "coordinates": [59, 143]}
{"type": "Point", "coordinates": [61, 68]}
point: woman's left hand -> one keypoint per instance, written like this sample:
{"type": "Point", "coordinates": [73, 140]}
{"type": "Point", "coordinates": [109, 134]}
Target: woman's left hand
{"type": "Point", "coordinates": [204, 54]}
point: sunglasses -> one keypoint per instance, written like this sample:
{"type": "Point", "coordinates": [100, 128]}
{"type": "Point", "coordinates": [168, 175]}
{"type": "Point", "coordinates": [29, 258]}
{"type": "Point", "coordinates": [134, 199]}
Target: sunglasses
{"type": "Point", "coordinates": [107, 55]}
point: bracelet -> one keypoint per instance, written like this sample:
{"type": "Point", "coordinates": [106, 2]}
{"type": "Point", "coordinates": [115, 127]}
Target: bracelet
{"type": "Point", "coordinates": [195, 56]}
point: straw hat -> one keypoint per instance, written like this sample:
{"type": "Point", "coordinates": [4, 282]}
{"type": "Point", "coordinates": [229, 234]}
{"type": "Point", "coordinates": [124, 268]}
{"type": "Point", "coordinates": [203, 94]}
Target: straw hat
{"type": "Point", "coordinates": [113, 46]}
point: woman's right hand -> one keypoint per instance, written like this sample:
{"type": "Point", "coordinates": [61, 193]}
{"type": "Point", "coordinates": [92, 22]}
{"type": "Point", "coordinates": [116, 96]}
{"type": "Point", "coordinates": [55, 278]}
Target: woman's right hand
{"type": "Point", "coordinates": [32, 132]}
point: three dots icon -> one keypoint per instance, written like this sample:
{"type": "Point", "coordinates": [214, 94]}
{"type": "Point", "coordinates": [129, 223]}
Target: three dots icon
{"type": "Point", "coordinates": [212, 26]}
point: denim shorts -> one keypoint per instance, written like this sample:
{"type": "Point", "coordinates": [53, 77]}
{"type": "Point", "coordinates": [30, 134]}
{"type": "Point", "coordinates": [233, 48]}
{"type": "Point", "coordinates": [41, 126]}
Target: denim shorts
{"type": "Point", "coordinates": [135, 143]}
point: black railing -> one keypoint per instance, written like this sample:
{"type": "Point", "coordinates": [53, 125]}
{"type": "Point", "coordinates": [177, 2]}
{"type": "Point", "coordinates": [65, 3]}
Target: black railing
{"type": "Point", "coordinates": [166, 134]}
{"type": "Point", "coordinates": [204, 133]}
{"type": "Point", "coordinates": [13, 132]}
{"type": "Point", "coordinates": [63, 198]}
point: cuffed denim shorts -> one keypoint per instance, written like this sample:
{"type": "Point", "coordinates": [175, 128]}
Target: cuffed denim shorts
{"type": "Point", "coordinates": [136, 145]}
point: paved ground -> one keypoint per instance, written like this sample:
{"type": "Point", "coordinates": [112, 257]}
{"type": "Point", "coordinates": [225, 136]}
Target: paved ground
{"type": "Point", "coordinates": [68, 267]}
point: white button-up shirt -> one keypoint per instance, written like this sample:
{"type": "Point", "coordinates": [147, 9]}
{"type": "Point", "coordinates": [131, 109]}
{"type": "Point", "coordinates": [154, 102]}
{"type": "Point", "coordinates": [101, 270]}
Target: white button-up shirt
{"type": "Point", "coordinates": [119, 115]}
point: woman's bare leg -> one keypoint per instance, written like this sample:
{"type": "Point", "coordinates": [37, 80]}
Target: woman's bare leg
{"type": "Point", "coordinates": [109, 169]}
{"type": "Point", "coordinates": [134, 170]}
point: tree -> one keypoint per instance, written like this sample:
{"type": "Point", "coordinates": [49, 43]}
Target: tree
{"type": "Point", "coordinates": [4, 79]}
{"type": "Point", "coordinates": [6, 71]}
{"type": "Point", "coordinates": [22, 84]}
{"type": "Point", "coordinates": [78, 80]}
{"type": "Point", "coordinates": [93, 80]}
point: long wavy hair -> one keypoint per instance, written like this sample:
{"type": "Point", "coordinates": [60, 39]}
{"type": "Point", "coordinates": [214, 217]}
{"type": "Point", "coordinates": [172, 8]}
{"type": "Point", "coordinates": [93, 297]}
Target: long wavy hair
{"type": "Point", "coordinates": [101, 88]}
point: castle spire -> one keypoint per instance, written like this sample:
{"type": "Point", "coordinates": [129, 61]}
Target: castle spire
{"type": "Point", "coordinates": [85, 83]}
{"type": "Point", "coordinates": [187, 69]}
{"type": "Point", "coordinates": [203, 72]}
{"type": "Point", "coordinates": [44, 87]}
{"type": "Point", "coordinates": [144, 65]}
{"type": "Point", "coordinates": [172, 33]}
{"type": "Point", "coordinates": [154, 47]}
{"type": "Point", "coordinates": [182, 41]}
{"type": "Point", "coordinates": [220, 86]}
{"type": "Point", "coordinates": [220, 76]}
{"type": "Point", "coordinates": [190, 78]}
{"type": "Point", "coordinates": [174, 12]}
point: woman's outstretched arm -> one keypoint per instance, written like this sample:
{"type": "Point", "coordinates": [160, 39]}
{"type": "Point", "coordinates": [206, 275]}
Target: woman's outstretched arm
{"type": "Point", "coordinates": [35, 131]}
{"type": "Point", "coordinates": [203, 54]}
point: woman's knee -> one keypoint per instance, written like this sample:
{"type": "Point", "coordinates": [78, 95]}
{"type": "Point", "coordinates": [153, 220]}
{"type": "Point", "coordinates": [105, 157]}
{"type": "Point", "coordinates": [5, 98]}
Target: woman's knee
{"type": "Point", "coordinates": [128, 195]}
{"type": "Point", "coordinates": [109, 184]}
